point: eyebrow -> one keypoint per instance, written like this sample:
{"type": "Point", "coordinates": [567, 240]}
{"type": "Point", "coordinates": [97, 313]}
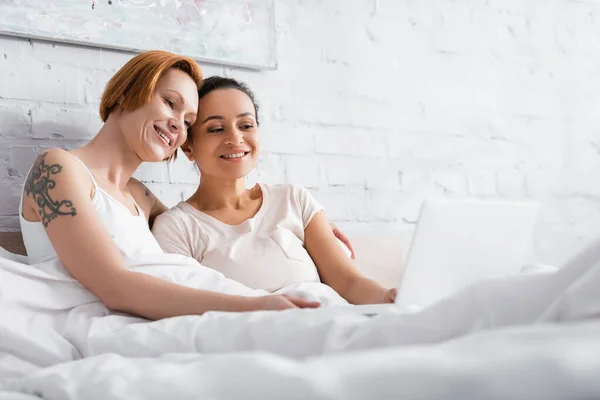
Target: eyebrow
{"type": "Point", "coordinates": [178, 95]}
{"type": "Point", "coordinates": [192, 114]}
{"type": "Point", "coordinates": [220, 117]}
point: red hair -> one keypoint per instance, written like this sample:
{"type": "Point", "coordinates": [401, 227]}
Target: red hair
{"type": "Point", "coordinates": [134, 84]}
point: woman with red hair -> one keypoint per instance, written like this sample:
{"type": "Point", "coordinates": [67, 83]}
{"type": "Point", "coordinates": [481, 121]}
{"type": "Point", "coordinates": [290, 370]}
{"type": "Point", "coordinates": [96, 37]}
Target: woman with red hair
{"type": "Point", "coordinates": [82, 209]}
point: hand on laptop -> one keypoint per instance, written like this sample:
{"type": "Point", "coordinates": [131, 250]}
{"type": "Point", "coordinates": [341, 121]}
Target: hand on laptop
{"type": "Point", "coordinates": [389, 296]}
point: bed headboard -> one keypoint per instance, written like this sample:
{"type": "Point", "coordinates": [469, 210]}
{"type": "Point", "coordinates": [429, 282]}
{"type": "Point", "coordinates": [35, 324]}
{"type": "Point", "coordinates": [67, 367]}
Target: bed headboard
{"type": "Point", "coordinates": [13, 242]}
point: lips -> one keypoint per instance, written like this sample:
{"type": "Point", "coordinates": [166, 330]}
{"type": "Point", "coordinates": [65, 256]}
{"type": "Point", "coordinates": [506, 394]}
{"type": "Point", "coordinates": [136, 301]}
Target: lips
{"type": "Point", "coordinates": [233, 156]}
{"type": "Point", "coordinates": [161, 134]}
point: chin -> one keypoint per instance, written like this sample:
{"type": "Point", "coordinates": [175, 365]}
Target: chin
{"type": "Point", "coordinates": [155, 157]}
{"type": "Point", "coordinates": [231, 175]}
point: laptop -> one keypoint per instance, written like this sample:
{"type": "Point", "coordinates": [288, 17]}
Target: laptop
{"type": "Point", "coordinates": [456, 243]}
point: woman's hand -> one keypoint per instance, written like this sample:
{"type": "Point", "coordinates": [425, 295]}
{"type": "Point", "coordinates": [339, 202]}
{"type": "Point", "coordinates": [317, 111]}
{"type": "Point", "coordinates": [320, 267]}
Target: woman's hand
{"type": "Point", "coordinates": [284, 301]}
{"type": "Point", "coordinates": [389, 296]}
{"type": "Point", "coordinates": [338, 234]}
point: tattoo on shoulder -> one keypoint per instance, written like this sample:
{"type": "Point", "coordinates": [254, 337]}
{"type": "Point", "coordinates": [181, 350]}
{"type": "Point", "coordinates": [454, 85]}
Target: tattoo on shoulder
{"type": "Point", "coordinates": [147, 192]}
{"type": "Point", "coordinates": [39, 184]}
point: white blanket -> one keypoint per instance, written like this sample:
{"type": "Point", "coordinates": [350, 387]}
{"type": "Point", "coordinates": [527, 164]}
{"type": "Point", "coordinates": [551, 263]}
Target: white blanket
{"type": "Point", "coordinates": [531, 336]}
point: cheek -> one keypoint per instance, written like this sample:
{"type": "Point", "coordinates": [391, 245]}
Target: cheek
{"type": "Point", "coordinates": [130, 122]}
{"type": "Point", "coordinates": [254, 141]}
{"type": "Point", "coordinates": [181, 140]}
{"type": "Point", "coordinates": [156, 104]}
{"type": "Point", "coordinates": [204, 149]}
{"type": "Point", "coordinates": [138, 117]}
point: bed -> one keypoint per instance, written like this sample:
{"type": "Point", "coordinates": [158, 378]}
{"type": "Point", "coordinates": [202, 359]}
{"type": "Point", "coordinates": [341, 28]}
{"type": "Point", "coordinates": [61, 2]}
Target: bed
{"type": "Point", "coordinates": [58, 342]}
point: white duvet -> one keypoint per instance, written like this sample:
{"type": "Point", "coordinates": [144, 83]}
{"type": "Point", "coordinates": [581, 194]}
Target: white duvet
{"type": "Point", "coordinates": [529, 336]}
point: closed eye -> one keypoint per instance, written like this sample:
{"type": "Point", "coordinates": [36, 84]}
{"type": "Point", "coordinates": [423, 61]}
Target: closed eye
{"type": "Point", "coordinates": [215, 130]}
{"type": "Point", "coordinates": [247, 126]}
{"type": "Point", "coordinates": [170, 103]}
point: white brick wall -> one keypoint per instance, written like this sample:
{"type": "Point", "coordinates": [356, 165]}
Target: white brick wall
{"type": "Point", "coordinates": [375, 105]}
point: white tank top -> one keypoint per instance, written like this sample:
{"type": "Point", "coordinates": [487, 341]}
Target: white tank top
{"type": "Point", "coordinates": [130, 232]}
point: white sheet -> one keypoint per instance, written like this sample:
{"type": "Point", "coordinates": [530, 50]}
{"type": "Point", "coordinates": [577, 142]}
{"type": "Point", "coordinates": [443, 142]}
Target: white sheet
{"type": "Point", "coordinates": [545, 362]}
{"type": "Point", "coordinates": [53, 320]}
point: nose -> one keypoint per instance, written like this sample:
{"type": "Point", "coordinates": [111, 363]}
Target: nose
{"type": "Point", "coordinates": [176, 126]}
{"type": "Point", "coordinates": [234, 137]}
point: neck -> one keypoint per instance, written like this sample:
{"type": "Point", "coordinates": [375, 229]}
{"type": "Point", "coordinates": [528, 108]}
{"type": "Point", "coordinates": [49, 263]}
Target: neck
{"type": "Point", "coordinates": [108, 155]}
{"type": "Point", "coordinates": [215, 193]}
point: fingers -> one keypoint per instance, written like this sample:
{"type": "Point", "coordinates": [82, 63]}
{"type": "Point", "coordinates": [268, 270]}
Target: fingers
{"type": "Point", "coordinates": [390, 295]}
{"type": "Point", "coordinates": [338, 234]}
{"type": "Point", "coordinates": [346, 241]}
{"type": "Point", "coordinates": [302, 303]}
{"type": "Point", "coordinates": [352, 255]}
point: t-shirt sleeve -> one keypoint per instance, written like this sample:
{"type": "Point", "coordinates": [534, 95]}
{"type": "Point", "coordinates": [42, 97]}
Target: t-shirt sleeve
{"type": "Point", "coordinates": [170, 236]}
{"type": "Point", "coordinates": [309, 206]}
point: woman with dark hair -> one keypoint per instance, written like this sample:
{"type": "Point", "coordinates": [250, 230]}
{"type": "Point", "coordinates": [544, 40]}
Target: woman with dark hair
{"type": "Point", "coordinates": [267, 237]}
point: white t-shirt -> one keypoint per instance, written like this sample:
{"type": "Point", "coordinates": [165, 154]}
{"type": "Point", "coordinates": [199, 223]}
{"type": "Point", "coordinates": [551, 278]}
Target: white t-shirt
{"type": "Point", "coordinates": [264, 252]}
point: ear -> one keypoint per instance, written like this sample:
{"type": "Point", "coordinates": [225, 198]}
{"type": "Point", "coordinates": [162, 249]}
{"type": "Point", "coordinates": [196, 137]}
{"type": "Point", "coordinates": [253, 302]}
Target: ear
{"type": "Point", "coordinates": [186, 147]}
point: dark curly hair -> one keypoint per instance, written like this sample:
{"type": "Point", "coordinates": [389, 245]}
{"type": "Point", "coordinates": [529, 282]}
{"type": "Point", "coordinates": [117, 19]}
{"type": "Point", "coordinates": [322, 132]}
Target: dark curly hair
{"type": "Point", "coordinates": [213, 83]}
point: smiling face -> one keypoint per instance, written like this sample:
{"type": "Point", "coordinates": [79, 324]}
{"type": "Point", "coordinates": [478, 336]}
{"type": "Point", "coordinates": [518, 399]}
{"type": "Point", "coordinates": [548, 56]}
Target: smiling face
{"type": "Point", "coordinates": [224, 141]}
{"type": "Point", "coordinates": [155, 131]}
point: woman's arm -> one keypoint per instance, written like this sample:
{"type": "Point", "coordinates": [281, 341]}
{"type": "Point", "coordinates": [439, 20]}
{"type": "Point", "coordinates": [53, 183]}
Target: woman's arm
{"type": "Point", "coordinates": [336, 270]}
{"type": "Point", "coordinates": [148, 202]}
{"type": "Point", "coordinates": [89, 254]}
{"type": "Point", "coordinates": [338, 234]}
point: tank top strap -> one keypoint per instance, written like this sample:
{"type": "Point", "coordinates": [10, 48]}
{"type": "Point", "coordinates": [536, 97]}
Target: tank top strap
{"type": "Point", "coordinates": [89, 172]}
{"type": "Point", "coordinates": [23, 191]}
{"type": "Point", "coordinates": [96, 188]}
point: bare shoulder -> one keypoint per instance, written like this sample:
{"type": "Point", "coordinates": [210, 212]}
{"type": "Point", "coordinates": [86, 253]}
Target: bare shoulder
{"type": "Point", "coordinates": [52, 156]}
{"type": "Point", "coordinates": [150, 204]}
{"type": "Point", "coordinates": [53, 171]}
{"type": "Point", "coordinates": [138, 189]}
{"type": "Point", "coordinates": [53, 164]}
{"type": "Point", "coordinates": [142, 195]}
